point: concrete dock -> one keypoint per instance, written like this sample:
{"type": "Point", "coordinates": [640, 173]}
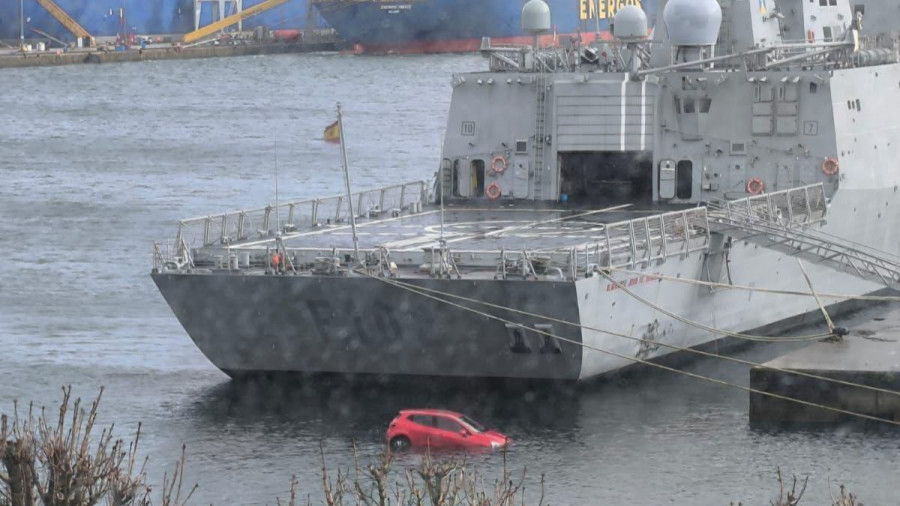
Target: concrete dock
{"type": "Point", "coordinates": [15, 59]}
{"type": "Point", "coordinates": [870, 356]}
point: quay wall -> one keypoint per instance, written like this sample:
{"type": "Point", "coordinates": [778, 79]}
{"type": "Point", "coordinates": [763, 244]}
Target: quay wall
{"type": "Point", "coordinates": [48, 58]}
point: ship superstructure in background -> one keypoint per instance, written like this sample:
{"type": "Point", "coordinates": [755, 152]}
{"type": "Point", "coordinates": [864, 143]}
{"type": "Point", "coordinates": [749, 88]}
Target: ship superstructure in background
{"type": "Point", "coordinates": [143, 17]}
{"type": "Point", "coordinates": [438, 26]}
{"type": "Point", "coordinates": [602, 198]}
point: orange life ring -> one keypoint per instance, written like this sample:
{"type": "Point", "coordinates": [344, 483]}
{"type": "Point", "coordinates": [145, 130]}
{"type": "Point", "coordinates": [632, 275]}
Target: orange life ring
{"type": "Point", "coordinates": [830, 167]}
{"type": "Point", "coordinates": [498, 164]}
{"type": "Point", "coordinates": [492, 191]}
{"type": "Point", "coordinates": [755, 186]}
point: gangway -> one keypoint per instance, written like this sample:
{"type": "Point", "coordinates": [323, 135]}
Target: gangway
{"type": "Point", "coordinates": [784, 221]}
{"type": "Point", "coordinates": [64, 19]}
{"type": "Point", "coordinates": [230, 20]}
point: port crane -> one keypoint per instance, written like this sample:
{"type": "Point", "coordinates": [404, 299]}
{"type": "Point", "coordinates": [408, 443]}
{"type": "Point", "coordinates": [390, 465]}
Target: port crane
{"type": "Point", "coordinates": [230, 20]}
{"type": "Point", "coordinates": [64, 19]}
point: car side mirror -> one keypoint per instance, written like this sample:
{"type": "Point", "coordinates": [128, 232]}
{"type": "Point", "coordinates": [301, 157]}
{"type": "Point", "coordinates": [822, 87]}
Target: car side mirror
{"type": "Point", "coordinates": [464, 433]}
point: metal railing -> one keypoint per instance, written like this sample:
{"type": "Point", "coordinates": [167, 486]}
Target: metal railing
{"type": "Point", "coordinates": [264, 222]}
{"type": "Point", "coordinates": [803, 205]}
{"type": "Point", "coordinates": [629, 244]}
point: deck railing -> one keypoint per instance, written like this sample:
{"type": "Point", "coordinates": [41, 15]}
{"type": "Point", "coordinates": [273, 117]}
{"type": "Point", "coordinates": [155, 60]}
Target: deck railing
{"type": "Point", "coordinates": [264, 222]}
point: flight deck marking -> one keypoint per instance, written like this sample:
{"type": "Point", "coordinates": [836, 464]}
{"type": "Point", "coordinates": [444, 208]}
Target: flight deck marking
{"type": "Point", "coordinates": [331, 230]}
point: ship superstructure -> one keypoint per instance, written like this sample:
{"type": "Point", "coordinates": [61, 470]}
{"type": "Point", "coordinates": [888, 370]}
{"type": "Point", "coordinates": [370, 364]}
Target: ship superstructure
{"type": "Point", "coordinates": [596, 205]}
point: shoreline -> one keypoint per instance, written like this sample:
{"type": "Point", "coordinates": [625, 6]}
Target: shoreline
{"type": "Point", "coordinates": [50, 59]}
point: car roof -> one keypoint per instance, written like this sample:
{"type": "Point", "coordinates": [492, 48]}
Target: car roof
{"type": "Point", "coordinates": [432, 412]}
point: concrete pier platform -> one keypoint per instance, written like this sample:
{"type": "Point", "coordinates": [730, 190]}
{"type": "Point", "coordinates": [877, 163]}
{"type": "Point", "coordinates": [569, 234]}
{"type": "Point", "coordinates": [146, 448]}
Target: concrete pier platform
{"type": "Point", "coordinates": [12, 59]}
{"type": "Point", "coordinates": [870, 356]}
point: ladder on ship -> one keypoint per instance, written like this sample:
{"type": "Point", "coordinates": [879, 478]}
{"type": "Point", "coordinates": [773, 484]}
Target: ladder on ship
{"type": "Point", "coordinates": [781, 227]}
{"type": "Point", "coordinates": [540, 82]}
{"type": "Point", "coordinates": [67, 21]}
{"type": "Point", "coordinates": [224, 23]}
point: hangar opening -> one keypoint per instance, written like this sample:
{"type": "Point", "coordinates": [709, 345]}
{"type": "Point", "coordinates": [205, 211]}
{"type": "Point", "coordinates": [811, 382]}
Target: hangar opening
{"type": "Point", "coordinates": [603, 176]}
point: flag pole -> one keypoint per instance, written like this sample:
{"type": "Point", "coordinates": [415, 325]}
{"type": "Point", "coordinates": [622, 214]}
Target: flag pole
{"type": "Point", "coordinates": [441, 183]}
{"type": "Point", "coordinates": [277, 218]}
{"type": "Point", "coordinates": [340, 116]}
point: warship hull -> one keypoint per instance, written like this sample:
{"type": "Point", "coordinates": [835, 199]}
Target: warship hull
{"type": "Point", "coordinates": [605, 207]}
{"type": "Point", "coordinates": [258, 324]}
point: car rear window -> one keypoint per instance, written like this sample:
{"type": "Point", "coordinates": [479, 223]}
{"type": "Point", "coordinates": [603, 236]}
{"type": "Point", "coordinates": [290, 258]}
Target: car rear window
{"type": "Point", "coordinates": [426, 420]}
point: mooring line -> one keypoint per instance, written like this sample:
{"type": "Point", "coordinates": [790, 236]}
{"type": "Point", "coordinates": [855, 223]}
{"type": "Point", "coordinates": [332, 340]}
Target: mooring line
{"type": "Point", "coordinates": [711, 284]}
{"type": "Point", "coordinates": [423, 292]}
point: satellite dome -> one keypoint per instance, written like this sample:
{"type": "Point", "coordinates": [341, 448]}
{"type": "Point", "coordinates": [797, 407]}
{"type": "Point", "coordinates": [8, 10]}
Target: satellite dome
{"type": "Point", "coordinates": [536, 17]}
{"type": "Point", "coordinates": [630, 23]}
{"type": "Point", "coordinates": [693, 22]}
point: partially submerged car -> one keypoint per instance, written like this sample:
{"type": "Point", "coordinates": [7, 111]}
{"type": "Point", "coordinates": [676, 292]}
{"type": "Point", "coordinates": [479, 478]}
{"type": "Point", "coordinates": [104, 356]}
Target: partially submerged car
{"type": "Point", "coordinates": [440, 429]}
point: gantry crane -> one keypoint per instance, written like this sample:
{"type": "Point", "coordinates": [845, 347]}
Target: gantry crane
{"type": "Point", "coordinates": [230, 20]}
{"type": "Point", "coordinates": [67, 21]}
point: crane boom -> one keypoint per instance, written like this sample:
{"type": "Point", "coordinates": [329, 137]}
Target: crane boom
{"type": "Point", "coordinates": [230, 20]}
{"type": "Point", "coordinates": [64, 19]}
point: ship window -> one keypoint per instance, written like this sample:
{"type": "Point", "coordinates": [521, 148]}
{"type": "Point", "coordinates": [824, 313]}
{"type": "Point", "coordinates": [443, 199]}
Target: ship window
{"type": "Point", "coordinates": [858, 105]}
{"type": "Point", "coordinates": [705, 104]}
{"type": "Point", "coordinates": [477, 172]}
{"type": "Point", "coordinates": [684, 179]}
{"type": "Point", "coordinates": [813, 88]}
{"type": "Point", "coordinates": [826, 32]}
{"type": "Point", "coordinates": [677, 105]}
{"type": "Point", "coordinates": [738, 148]}
{"type": "Point", "coordinates": [521, 146]}
{"type": "Point", "coordinates": [689, 105]}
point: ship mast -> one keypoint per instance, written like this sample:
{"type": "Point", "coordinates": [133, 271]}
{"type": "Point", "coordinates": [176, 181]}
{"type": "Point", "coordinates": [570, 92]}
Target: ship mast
{"type": "Point", "coordinates": [340, 116]}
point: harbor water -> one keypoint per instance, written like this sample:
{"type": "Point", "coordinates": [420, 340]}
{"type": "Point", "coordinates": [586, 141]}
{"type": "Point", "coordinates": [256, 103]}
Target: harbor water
{"type": "Point", "coordinates": [96, 162]}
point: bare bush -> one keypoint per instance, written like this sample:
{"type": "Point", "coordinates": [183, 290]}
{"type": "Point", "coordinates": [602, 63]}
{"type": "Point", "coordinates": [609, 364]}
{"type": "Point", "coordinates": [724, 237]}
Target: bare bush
{"type": "Point", "coordinates": [433, 482]}
{"type": "Point", "coordinates": [47, 462]}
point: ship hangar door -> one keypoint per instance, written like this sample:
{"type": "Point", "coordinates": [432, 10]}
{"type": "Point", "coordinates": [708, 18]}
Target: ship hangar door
{"type": "Point", "coordinates": [604, 138]}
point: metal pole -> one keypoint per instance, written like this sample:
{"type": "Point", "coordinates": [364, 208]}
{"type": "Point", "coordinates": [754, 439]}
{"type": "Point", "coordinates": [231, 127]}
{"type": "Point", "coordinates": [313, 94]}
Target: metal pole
{"type": "Point", "coordinates": [441, 182]}
{"type": "Point", "coordinates": [21, 24]}
{"type": "Point", "coordinates": [277, 217]}
{"type": "Point", "coordinates": [340, 116]}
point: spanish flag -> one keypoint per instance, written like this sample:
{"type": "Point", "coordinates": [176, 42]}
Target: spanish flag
{"type": "Point", "coordinates": [333, 133]}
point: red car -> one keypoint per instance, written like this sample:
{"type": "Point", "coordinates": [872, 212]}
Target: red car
{"type": "Point", "coordinates": [439, 429]}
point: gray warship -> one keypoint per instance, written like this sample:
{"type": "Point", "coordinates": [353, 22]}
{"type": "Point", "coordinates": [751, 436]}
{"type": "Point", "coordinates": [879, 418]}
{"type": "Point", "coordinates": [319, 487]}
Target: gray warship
{"type": "Point", "coordinates": [586, 193]}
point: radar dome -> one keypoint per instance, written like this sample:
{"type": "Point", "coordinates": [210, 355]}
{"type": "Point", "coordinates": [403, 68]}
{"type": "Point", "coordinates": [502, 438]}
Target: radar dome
{"type": "Point", "coordinates": [693, 22]}
{"type": "Point", "coordinates": [536, 17]}
{"type": "Point", "coordinates": [630, 23]}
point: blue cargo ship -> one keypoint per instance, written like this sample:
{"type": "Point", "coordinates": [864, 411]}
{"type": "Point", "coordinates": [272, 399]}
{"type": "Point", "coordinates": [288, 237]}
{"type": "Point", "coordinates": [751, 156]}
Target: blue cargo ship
{"type": "Point", "coordinates": [103, 18]}
{"type": "Point", "coordinates": [411, 26]}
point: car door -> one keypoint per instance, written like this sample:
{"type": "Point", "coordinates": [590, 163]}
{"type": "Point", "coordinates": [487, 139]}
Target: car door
{"type": "Point", "coordinates": [449, 431]}
{"type": "Point", "coordinates": [421, 430]}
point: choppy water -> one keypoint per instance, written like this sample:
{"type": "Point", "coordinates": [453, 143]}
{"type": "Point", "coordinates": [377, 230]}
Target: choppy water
{"type": "Point", "coordinates": [98, 161]}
